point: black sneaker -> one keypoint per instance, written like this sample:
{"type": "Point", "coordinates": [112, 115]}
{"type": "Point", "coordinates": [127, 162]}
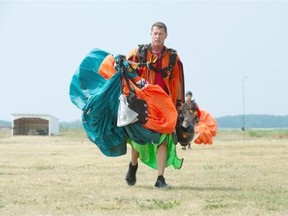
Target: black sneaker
{"type": "Point", "coordinates": [160, 183]}
{"type": "Point", "coordinates": [131, 174]}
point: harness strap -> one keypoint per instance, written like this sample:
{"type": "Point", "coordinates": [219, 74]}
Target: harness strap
{"type": "Point", "coordinates": [142, 50]}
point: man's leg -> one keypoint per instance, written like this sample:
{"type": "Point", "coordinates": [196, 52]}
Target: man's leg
{"type": "Point", "coordinates": [161, 165]}
{"type": "Point", "coordinates": [161, 158]}
{"type": "Point", "coordinates": [134, 157]}
{"type": "Point", "coordinates": [133, 166]}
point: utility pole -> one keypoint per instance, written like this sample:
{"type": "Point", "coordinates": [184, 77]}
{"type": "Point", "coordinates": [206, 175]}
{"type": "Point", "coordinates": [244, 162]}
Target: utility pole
{"type": "Point", "coordinates": [243, 102]}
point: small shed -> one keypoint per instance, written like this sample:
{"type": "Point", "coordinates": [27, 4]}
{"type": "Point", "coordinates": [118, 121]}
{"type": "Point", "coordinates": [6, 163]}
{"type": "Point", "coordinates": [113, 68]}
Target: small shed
{"type": "Point", "coordinates": [34, 124]}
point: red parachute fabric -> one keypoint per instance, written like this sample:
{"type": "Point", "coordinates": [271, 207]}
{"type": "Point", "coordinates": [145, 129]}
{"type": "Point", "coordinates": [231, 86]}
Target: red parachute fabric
{"type": "Point", "coordinates": [206, 128]}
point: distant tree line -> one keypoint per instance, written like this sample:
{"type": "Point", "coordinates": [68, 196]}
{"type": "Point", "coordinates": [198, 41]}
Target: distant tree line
{"type": "Point", "coordinates": [71, 125]}
{"type": "Point", "coordinates": [251, 121]}
{"type": "Point", "coordinates": [5, 124]}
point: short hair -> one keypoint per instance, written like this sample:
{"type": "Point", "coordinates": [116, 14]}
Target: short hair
{"type": "Point", "coordinates": [189, 93]}
{"type": "Point", "coordinates": [160, 25]}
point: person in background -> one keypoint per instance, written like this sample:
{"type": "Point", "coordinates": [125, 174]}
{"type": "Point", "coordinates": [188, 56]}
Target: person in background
{"type": "Point", "coordinates": [192, 108]}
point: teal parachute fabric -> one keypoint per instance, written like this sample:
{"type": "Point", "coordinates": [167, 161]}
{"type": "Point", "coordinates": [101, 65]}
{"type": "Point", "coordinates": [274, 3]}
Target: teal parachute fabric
{"type": "Point", "coordinates": [98, 98]}
{"type": "Point", "coordinates": [141, 135]}
{"type": "Point", "coordinates": [100, 119]}
{"type": "Point", "coordinates": [86, 79]}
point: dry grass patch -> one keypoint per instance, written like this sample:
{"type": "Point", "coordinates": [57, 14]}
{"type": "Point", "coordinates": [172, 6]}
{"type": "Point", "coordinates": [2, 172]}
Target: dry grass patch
{"type": "Point", "coordinates": [67, 175]}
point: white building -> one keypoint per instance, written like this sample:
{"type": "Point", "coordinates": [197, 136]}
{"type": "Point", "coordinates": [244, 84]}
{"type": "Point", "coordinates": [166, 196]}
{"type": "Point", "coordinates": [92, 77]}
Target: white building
{"type": "Point", "coordinates": [34, 124]}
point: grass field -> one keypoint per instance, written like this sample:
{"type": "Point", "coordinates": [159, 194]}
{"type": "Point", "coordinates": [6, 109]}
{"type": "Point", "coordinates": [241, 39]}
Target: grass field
{"type": "Point", "coordinates": [67, 175]}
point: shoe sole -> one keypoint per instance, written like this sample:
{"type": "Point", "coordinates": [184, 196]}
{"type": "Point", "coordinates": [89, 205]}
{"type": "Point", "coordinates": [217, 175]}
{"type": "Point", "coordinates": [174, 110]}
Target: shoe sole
{"type": "Point", "coordinates": [131, 184]}
{"type": "Point", "coordinates": [163, 188]}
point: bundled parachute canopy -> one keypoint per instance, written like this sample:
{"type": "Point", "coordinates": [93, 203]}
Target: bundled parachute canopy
{"type": "Point", "coordinates": [206, 128]}
{"type": "Point", "coordinates": [97, 98]}
{"type": "Point", "coordinates": [96, 88]}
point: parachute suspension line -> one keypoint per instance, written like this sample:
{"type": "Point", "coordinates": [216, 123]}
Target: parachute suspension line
{"type": "Point", "coordinates": [135, 65]}
{"type": "Point", "coordinates": [153, 59]}
{"type": "Point", "coordinates": [121, 62]}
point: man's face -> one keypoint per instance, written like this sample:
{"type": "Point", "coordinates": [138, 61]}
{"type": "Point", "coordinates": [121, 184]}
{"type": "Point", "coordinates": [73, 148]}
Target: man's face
{"type": "Point", "coordinates": [188, 97]}
{"type": "Point", "coordinates": [158, 36]}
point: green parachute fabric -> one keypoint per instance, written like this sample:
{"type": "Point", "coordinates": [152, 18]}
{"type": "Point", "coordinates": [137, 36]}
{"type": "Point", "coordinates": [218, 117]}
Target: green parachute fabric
{"type": "Point", "coordinates": [98, 98]}
{"type": "Point", "coordinates": [147, 152]}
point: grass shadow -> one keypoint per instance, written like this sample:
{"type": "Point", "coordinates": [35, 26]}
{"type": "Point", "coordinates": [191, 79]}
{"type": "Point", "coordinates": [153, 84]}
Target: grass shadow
{"type": "Point", "coordinates": [192, 188]}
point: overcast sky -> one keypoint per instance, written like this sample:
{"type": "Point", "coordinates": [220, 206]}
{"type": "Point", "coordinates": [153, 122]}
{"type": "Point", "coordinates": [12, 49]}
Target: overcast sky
{"type": "Point", "coordinates": [219, 42]}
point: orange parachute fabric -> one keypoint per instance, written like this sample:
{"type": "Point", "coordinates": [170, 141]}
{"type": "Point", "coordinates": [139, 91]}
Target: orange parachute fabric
{"type": "Point", "coordinates": [206, 128]}
{"type": "Point", "coordinates": [162, 113]}
{"type": "Point", "coordinates": [106, 68]}
{"type": "Point", "coordinates": [174, 81]}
